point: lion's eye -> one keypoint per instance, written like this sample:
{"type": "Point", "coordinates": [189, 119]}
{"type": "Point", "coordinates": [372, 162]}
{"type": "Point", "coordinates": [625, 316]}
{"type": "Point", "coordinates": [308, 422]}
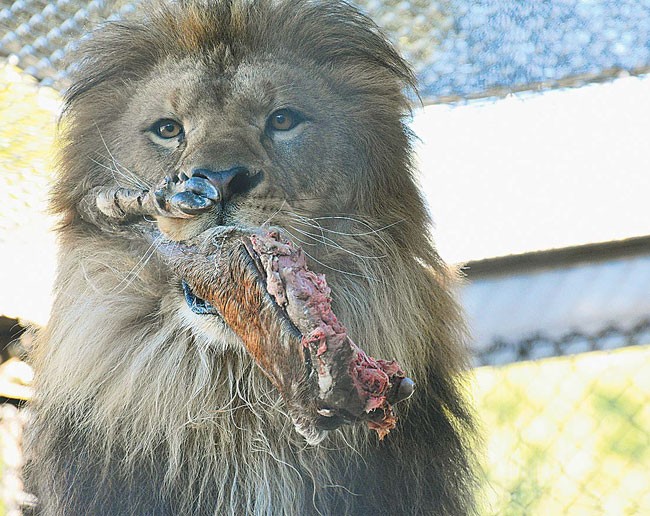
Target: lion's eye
{"type": "Point", "coordinates": [167, 129]}
{"type": "Point", "coordinates": [283, 120]}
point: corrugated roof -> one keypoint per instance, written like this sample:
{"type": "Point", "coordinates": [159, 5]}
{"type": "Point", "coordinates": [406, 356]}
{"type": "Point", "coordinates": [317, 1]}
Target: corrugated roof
{"type": "Point", "coordinates": [460, 49]}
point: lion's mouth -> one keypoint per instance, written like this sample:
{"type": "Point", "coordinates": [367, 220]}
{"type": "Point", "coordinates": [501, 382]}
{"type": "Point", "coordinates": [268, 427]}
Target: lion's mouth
{"type": "Point", "coordinates": [196, 304]}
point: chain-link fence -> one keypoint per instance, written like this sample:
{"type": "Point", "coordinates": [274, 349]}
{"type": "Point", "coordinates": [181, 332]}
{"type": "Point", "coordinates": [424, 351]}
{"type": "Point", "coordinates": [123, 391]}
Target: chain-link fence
{"type": "Point", "coordinates": [562, 390]}
{"type": "Point", "coordinates": [567, 435]}
{"type": "Point", "coordinates": [460, 49]}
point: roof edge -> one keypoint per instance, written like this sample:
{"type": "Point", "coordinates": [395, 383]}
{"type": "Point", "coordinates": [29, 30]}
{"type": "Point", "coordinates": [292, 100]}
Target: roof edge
{"type": "Point", "coordinates": [554, 258]}
{"type": "Point", "coordinates": [569, 82]}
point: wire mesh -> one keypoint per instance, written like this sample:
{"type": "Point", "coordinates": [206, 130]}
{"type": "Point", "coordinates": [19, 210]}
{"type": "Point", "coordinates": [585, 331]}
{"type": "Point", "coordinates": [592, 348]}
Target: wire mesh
{"type": "Point", "coordinates": [460, 49]}
{"type": "Point", "coordinates": [541, 346]}
{"type": "Point", "coordinates": [567, 435]}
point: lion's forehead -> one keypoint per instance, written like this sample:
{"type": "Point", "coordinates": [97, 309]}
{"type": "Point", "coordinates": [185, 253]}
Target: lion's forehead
{"type": "Point", "coordinates": [255, 85]}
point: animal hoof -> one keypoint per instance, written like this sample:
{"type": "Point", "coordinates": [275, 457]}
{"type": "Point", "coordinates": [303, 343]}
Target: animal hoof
{"type": "Point", "coordinates": [405, 390]}
{"type": "Point", "coordinates": [191, 203]}
{"type": "Point", "coordinates": [203, 187]}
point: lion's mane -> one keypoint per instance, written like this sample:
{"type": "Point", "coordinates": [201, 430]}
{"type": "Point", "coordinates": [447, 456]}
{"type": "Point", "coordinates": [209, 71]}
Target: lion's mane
{"type": "Point", "coordinates": [139, 411]}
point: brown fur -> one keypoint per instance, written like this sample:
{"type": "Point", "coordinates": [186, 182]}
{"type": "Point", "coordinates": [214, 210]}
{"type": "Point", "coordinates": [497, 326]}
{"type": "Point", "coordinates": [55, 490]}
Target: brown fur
{"type": "Point", "coordinates": [144, 407]}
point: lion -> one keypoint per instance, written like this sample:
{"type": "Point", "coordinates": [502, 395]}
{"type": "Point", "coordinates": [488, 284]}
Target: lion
{"type": "Point", "coordinates": [244, 113]}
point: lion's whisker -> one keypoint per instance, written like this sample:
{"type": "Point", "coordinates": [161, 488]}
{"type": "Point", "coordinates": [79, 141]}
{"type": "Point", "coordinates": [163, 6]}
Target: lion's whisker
{"type": "Point", "coordinates": [303, 199]}
{"type": "Point", "coordinates": [87, 277]}
{"type": "Point", "coordinates": [138, 267]}
{"type": "Point", "coordinates": [373, 231]}
{"type": "Point", "coordinates": [312, 258]}
{"type": "Point", "coordinates": [117, 163]}
{"type": "Point", "coordinates": [317, 225]}
{"type": "Point", "coordinates": [268, 221]}
{"type": "Point", "coordinates": [332, 243]}
{"type": "Point", "coordinates": [300, 240]}
{"type": "Point", "coordinates": [130, 181]}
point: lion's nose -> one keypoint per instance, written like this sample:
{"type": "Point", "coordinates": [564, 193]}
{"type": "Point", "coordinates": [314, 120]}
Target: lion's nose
{"type": "Point", "coordinates": [230, 182]}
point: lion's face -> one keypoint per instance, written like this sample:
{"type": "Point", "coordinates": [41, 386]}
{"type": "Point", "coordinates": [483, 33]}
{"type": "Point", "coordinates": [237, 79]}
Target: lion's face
{"type": "Point", "coordinates": [282, 136]}
{"type": "Point", "coordinates": [279, 113]}
{"type": "Point", "coordinates": [284, 112]}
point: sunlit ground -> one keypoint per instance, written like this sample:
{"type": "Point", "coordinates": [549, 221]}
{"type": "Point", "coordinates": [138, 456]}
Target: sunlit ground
{"type": "Point", "coordinates": [568, 435]}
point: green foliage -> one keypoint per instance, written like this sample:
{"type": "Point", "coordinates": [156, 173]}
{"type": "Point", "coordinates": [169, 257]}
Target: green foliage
{"type": "Point", "coordinates": [28, 115]}
{"type": "Point", "coordinates": [567, 435]}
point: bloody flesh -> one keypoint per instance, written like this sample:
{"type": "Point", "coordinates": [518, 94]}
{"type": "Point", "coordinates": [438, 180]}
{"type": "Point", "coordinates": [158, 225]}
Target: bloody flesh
{"type": "Point", "coordinates": [347, 376]}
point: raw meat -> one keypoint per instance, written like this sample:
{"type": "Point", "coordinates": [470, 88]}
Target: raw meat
{"type": "Point", "coordinates": [259, 284]}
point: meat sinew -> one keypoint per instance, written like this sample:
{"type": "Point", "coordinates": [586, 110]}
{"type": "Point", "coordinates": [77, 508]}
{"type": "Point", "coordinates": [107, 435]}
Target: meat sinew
{"type": "Point", "coordinates": [260, 285]}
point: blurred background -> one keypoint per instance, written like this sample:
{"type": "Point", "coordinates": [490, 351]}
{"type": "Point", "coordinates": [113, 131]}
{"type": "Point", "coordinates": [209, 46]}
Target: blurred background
{"type": "Point", "coordinates": [532, 150]}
